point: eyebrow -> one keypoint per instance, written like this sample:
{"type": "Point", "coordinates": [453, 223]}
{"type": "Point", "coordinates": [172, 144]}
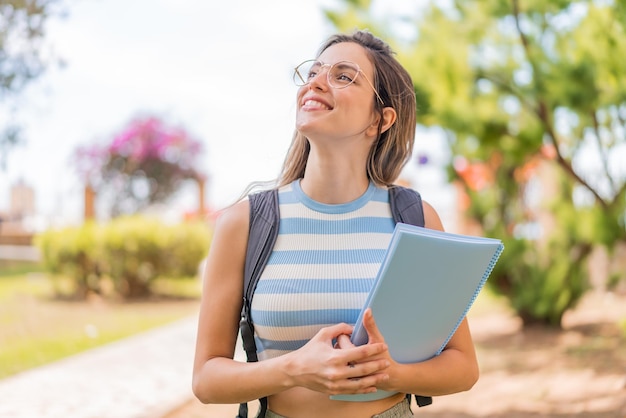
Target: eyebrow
{"type": "Point", "coordinates": [346, 64]}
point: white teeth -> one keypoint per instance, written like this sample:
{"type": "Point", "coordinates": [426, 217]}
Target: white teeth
{"type": "Point", "coordinates": [314, 103]}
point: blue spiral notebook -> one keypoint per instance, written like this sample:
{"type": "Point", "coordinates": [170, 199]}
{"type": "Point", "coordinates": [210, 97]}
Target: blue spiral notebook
{"type": "Point", "coordinates": [426, 284]}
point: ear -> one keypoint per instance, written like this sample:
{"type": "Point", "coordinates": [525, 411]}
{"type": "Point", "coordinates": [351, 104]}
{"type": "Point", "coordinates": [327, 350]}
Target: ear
{"type": "Point", "coordinates": [389, 118]}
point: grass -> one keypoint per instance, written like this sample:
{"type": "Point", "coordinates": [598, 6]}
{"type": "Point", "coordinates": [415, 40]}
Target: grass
{"type": "Point", "coordinates": [36, 327]}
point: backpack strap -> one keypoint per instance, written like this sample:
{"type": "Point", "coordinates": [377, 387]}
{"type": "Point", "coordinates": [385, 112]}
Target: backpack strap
{"type": "Point", "coordinates": [406, 207]}
{"type": "Point", "coordinates": [264, 219]}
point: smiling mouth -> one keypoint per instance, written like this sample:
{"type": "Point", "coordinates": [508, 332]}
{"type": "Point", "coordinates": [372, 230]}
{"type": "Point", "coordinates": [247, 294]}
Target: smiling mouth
{"type": "Point", "coordinates": [314, 104]}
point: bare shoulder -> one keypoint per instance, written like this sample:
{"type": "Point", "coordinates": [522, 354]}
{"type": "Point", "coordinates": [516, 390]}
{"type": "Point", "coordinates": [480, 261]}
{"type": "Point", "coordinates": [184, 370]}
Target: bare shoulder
{"type": "Point", "coordinates": [228, 249]}
{"type": "Point", "coordinates": [230, 234]}
{"type": "Point", "coordinates": [234, 220]}
{"type": "Point", "coordinates": [431, 217]}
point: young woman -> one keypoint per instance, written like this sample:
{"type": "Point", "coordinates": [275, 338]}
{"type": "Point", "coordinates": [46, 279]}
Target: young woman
{"type": "Point", "coordinates": [355, 127]}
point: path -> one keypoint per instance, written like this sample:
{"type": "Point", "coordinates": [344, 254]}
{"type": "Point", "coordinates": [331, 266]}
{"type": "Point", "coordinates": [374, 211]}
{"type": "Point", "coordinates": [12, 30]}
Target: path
{"type": "Point", "coordinates": [144, 376]}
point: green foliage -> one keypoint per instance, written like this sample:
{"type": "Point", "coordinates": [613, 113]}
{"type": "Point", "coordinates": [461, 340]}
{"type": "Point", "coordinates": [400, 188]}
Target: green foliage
{"type": "Point", "coordinates": [73, 252]}
{"type": "Point", "coordinates": [130, 251]}
{"type": "Point", "coordinates": [132, 254]}
{"type": "Point", "coordinates": [545, 284]}
{"type": "Point", "coordinates": [22, 27]}
{"type": "Point", "coordinates": [186, 245]}
{"type": "Point", "coordinates": [542, 274]}
{"type": "Point", "coordinates": [518, 86]}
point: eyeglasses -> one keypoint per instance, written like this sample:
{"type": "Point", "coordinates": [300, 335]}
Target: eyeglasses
{"type": "Point", "coordinates": [340, 74]}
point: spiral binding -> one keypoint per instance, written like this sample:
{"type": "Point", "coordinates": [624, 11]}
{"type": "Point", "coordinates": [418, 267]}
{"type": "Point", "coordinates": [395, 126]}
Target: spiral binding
{"type": "Point", "coordinates": [486, 275]}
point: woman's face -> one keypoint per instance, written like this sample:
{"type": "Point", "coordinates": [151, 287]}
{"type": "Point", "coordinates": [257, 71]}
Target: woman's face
{"type": "Point", "coordinates": [336, 113]}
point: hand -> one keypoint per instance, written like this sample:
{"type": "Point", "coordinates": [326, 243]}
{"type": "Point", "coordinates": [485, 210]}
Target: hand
{"type": "Point", "coordinates": [320, 367]}
{"type": "Point", "coordinates": [374, 337]}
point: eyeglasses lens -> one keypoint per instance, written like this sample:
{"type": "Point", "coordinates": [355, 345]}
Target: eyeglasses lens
{"type": "Point", "coordinates": [340, 74]}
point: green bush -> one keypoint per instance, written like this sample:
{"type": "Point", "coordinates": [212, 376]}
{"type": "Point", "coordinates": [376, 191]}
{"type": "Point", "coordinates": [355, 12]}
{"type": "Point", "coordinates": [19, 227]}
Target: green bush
{"type": "Point", "coordinates": [545, 286]}
{"type": "Point", "coordinates": [545, 276]}
{"type": "Point", "coordinates": [130, 251]}
{"type": "Point", "coordinates": [187, 245]}
{"type": "Point", "coordinates": [73, 252]}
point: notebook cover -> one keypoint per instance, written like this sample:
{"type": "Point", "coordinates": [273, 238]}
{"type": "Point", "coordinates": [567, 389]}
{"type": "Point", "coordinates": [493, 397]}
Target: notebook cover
{"type": "Point", "coordinates": [427, 283]}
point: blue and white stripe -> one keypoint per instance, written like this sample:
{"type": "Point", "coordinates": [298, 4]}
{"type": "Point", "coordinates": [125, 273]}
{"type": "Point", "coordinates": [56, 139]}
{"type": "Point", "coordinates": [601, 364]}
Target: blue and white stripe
{"type": "Point", "coordinates": [321, 269]}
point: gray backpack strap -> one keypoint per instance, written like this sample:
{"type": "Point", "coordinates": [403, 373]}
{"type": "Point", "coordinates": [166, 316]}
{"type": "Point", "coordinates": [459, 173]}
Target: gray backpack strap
{"type": "Point", "coordinates": [264, 220]}
{"type": "Point", "coordinates": [406, 205]}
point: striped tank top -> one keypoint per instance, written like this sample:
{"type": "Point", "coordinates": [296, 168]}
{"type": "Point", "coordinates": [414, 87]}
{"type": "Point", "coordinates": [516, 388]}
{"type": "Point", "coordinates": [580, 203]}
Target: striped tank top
{"type": "Point", "coordinates": [321, 269]}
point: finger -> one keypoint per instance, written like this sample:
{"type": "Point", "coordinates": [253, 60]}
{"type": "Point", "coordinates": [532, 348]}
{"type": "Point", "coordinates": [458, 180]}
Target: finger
{"type": "Point", "coordinates": [343, 341]}
{"type": "Point", "coordinates": [333, 332]}
{"type": "Point", "coordinates": [364, 382]}
{"type": "Point", "coordinates": [368, 368]}
{"type": "Point", "coordinates": [373, 333]}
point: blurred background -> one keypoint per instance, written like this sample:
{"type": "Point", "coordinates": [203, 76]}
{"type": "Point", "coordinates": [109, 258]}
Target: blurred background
{"type": "Point", "coordinates": [221, 75]}
{"type": "Point", "coordinates": [119, 119]}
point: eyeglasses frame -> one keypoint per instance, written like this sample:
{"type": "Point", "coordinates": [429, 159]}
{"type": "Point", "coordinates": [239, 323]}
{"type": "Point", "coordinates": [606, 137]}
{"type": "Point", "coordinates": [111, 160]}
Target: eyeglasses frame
{"type": "Point", "coordinates": [330, 66]}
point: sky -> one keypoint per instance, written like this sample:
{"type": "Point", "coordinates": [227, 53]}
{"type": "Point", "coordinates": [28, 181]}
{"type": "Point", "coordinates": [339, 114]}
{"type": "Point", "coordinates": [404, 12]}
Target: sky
{"type": "Point", "coordinates": [221, 70]}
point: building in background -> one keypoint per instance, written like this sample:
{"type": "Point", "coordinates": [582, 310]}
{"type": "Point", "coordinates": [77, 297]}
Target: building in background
{"type": "Point", "coordinates": [22, 200]}
{"type": "Point", "coordinates": [16, 223]}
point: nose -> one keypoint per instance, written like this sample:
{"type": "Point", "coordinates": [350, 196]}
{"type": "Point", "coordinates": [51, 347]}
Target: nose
{"type": "Point", "coordinates": [321, 78]}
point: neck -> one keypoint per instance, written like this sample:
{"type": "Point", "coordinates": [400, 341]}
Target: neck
{"type": "Point", "coordinates": [334, 183]}
{"type": "Point", "coordinates": [336, 170]}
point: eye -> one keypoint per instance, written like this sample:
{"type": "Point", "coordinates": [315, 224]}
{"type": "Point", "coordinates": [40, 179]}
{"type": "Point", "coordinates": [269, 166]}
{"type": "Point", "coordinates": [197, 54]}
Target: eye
{"type": "Point", "coordinates": [344, 77]}
{"type": "Point", "coordinates": [343, 73]}
{"type": "Point", "coordinates": [313, 70]}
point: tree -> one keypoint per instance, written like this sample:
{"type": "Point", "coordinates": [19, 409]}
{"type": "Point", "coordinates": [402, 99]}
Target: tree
{"type": "Point", "coordinates": [22, 29]}
{"type": "Point", "coordinates": [143, 165]}
{"type": "Point", "coordinates": [519, 85]}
